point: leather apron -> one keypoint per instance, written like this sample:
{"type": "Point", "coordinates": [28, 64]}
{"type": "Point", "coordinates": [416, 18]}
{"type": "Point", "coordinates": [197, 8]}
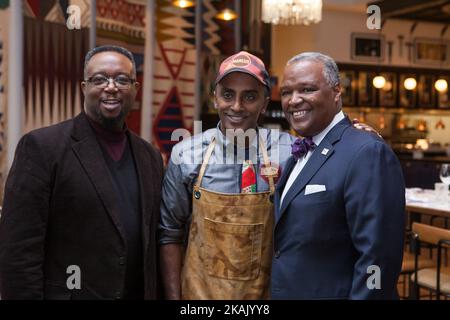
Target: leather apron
{"type": "Point", "coordinates": [229, 252]}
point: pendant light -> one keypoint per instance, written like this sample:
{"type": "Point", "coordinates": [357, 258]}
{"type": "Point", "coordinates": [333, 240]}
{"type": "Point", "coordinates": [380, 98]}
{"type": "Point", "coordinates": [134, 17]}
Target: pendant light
{"type": "Point", "coordinates": [441, 85]}
{"type": "Point", "coordinates": [226, 15]}
{"type": "Point", "coordinates": [183, 3]}
{"type": "Point", "coordinates": [410, 83]}
{"type": "Point", "coordinates": [379, 82]}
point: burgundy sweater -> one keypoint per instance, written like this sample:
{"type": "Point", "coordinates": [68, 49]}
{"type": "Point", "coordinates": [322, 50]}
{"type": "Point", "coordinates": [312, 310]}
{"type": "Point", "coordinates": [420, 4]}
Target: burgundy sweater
{"type": "Point", "coordinates": [114, 142]}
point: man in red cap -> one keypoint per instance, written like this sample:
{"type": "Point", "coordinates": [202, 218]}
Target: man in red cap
{"type": "Point", "coordinates": [217, 194]}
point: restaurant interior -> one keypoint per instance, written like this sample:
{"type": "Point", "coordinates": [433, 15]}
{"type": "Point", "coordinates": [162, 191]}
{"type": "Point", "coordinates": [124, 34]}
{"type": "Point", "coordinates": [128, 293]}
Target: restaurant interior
{"type": "Point", "coordinates": [393, 57]}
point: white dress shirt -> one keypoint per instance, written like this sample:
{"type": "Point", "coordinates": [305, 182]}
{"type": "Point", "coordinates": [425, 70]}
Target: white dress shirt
{"type": "Point", "coordinates": [317, 139]}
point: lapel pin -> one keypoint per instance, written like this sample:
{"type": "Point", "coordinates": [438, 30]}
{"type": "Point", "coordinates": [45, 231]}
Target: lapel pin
{"type": "Point", "coordinates": [325, 151]}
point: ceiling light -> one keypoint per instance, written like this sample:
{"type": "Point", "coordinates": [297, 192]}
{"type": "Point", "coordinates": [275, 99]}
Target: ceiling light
{"type": "Point", "coordinates": [379, 82]}
{"type": "Point", "coordinates": [410, 83]}
{"type": "Point", "coordinates": [227, 15]}
{"type": "Point", "coordinates": [292, 11]}
{"type": "Point", "coordinates": [440, 125]}
{"type": "Point", "coordinates": [183, 3]}
{"type": "Point", "coordinates": [441, 85]}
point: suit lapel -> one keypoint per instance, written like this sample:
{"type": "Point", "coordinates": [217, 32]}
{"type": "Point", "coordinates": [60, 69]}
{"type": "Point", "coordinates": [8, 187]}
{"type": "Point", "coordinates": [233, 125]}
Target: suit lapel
{"type": "Point", "coordinates": [318, 158]}
{"type": "Point", "coordinates": [290, 163]}
{"type": "Point", "coordinates": [281, 183]}
{"type": "Point", "coordinates": [88, 151]}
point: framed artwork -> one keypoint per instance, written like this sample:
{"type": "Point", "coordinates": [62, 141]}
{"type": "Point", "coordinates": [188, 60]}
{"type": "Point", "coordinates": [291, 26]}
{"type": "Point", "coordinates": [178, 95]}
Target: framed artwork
{"type": "Point", "coordinates": [388, 94]}
{"type": "Point", "coordinates": [367, 47]}
{"type": "Point", "coordinates": [366, 90]}
{"type": "Point", "coordinates": [431, 51]}
{"type": "Point", "coordinates": [348, 87]}
{"type": "Point", "coordinates": [426, 92]}
{"type": "Point", "coordinates": [407, 98]}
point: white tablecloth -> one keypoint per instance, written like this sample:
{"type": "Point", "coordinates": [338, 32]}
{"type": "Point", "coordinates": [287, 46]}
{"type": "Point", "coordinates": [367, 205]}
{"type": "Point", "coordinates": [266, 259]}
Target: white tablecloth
{"type": "Point", "coordinates": [426, 198]}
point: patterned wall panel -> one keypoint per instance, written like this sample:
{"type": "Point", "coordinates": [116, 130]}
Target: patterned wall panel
{"type": "Point", "coordinates": [174, 79]}
{"type": "Point", "coordinates": [53, 70]}
{"type": "Point", "coordinates": [53, 61]}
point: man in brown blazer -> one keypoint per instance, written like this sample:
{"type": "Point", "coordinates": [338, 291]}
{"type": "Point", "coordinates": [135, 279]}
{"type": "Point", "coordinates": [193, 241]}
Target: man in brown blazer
{"type": "Point", "coordinates": [82, 199]}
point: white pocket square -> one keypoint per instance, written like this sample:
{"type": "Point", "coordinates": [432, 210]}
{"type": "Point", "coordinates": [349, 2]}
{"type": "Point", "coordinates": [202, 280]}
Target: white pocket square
{"type": "Point", "coordinates": [314, 188]}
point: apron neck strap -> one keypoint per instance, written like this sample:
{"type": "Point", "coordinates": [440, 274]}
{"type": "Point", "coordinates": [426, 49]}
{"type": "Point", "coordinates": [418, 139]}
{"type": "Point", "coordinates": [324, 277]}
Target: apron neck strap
{"type": "Point", "coordinates": [208, 156]}
{"type": "Point", "coordinates": [205, 163]}
{"type": "Point", "coordinates": [262, 146]}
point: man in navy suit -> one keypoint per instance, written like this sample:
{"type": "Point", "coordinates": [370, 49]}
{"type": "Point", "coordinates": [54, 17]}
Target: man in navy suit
{"type": "Point", "coordinates": [340, 202]}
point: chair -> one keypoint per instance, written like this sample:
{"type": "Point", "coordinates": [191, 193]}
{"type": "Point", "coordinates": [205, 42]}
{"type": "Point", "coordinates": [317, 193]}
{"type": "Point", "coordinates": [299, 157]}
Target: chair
{"type": "Point", "coordinates": [437, 278]}
{"type": "Point", "coordinates": [445, 222]}
{"type": "Point", "coordinates": [408, 264]}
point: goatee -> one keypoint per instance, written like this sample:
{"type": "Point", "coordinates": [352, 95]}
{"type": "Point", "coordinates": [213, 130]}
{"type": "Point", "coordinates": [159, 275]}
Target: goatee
{"type": "Point", "coordinates": [113, 124]}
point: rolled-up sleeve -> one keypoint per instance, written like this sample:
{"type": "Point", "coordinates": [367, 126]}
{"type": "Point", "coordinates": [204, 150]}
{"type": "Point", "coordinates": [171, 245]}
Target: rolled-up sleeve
{"type": "Point", "coordinates": [175, 206]}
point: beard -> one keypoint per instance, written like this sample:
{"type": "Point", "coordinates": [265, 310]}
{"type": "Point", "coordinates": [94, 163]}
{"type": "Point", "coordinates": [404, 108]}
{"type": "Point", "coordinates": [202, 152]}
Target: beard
{"type": "Point", "coordinates": [112, 124]}
{"type": "Point", "coordinates": [109, 123]}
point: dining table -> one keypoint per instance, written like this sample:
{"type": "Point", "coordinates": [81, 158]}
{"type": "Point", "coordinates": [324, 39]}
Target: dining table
{"type": "Point", "coordinates": [426, 202]}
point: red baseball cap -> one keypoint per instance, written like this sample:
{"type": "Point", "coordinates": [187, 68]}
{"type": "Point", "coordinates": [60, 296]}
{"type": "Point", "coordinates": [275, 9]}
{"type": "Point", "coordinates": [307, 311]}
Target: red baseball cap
{"type": "Point", "coordinates": [247, 63]}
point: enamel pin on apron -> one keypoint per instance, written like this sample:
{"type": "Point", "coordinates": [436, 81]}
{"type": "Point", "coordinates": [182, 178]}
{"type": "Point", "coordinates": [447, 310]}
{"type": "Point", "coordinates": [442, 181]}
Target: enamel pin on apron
{"type": "Point", "coordinates": [270, 171]}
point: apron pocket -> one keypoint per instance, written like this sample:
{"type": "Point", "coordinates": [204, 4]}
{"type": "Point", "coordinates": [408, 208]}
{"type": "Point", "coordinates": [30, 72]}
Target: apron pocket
{"type": "Point", "coordinates": [233, 251]}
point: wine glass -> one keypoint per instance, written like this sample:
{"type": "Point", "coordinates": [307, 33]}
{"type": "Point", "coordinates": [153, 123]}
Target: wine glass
{"type": "Point", "coordinates": [444, 175]}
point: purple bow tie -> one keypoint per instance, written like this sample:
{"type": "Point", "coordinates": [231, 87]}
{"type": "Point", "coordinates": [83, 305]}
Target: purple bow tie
{"type": "Point", "coordinates": [301, 147]}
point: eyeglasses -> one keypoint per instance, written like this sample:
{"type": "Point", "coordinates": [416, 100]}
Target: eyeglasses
{"type": "Point", "coordinates": [121, 82]}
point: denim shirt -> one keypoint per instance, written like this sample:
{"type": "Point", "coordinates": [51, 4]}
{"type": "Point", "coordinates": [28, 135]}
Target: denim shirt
{"type": "Point", "coordinates": [223, 173]}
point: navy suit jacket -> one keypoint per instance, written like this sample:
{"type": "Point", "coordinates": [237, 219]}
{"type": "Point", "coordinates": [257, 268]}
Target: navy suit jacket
{"type": "Point", "coordinates": [326, 242]}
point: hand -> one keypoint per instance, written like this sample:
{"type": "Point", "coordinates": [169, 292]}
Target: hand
{"type": "Point", "coordinates": [365, 127]}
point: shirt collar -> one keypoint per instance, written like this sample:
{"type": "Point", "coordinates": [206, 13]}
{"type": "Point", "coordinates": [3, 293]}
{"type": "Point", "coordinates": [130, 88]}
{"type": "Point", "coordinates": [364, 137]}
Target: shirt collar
{"type": "Point", "coordinates": [223, 140]}
{"type": "Point", "coordinates": [226, 148]}
{"type": "Point", "coordinates": [319, 137]}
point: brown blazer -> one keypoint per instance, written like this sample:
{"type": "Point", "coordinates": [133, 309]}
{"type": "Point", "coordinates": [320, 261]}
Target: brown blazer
{"type": "Point", "coordinates": [60, 209]}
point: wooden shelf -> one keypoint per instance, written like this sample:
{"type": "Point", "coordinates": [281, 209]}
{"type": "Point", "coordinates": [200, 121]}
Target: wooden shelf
{"type": "Point", "coordinates": [422, 111]}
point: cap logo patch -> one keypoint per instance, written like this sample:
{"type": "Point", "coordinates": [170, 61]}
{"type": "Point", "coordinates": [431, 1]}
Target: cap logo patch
{"type": "Point", "coordinates": [241, 61]}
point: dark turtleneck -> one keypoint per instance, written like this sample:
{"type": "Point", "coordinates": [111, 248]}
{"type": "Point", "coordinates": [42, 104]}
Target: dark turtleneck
{"type": "Point", "coordinates": [114, 142]}
{"type": "Point", "coordinates": [120, 161]}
